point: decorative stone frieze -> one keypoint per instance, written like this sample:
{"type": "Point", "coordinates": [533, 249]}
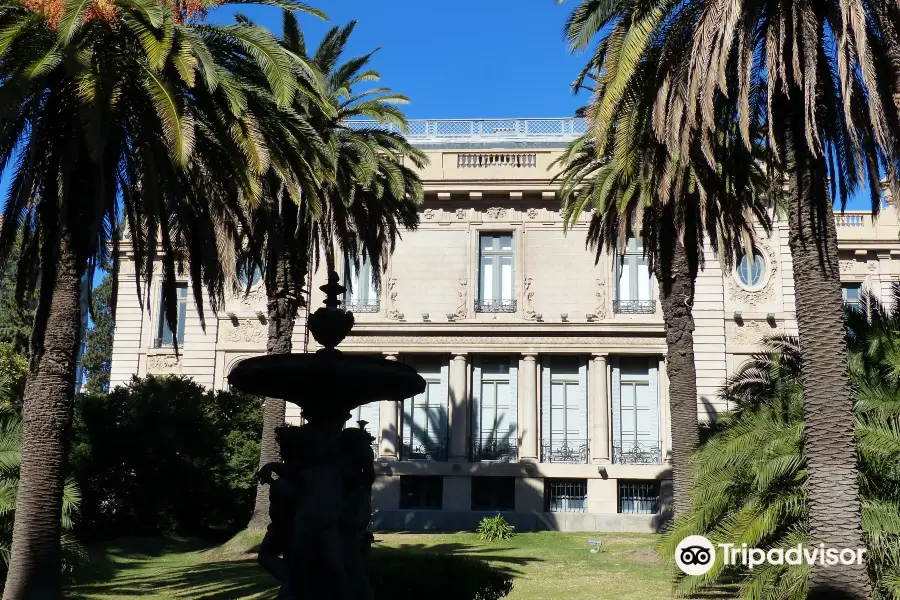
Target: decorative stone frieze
{"type": "Point", "coordinates": [749, 333]}
{"type": "Point", "coordinates": [462, 310]}
{"type": "Point", "coordinates": [495, 212]}
{"type": "Point", "coordinates": [529, 312]}
{"type": "Point", "coordinates": [164, 364]}
{"type": "Point", "coordinates": [246, 331]}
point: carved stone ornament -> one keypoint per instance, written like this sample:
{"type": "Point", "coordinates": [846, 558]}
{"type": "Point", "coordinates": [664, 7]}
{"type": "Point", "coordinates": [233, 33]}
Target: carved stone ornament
{"type": "Point", "coordinates": [873, 266]}
{"type": "Point", "coordinates": [600, 310]}
{"type": "Point", "coordinates": [392, 312]}
{"type": "Point", "coordinates": [255, 298]}
{"type": "Point", "coordinates": [529, 312]}
{"type": "Point", "coordinates": [462, 311]}
{"type": "Point", "coordinates": [429, 213]}
{"type": "Point", "coordinates": [460, 214]}
{"type": "Point", "coordinates": [756, 296]}
{"type": "Point", "coordinates": [495, 212]}
{"type": "Point", "coordinates": [532, 213]}
{"type": "Point", "coordinates": [750, 333]}
{"type": "Point", "coordinates": [247, 331]}
{"type": "Point", "coordinates": [854, 266]}
{"type": "Point", "coordinates": [164, 364]}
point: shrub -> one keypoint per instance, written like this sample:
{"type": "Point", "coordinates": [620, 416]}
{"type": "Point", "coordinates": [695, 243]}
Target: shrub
{"type": "Point", "coordinates": [165, 455]}
{"type": "Point", "coordinates": [492, 529]}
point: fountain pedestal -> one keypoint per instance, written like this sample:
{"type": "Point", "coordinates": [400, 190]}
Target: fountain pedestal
{"type": "Point", "coordinates": [317, 543]}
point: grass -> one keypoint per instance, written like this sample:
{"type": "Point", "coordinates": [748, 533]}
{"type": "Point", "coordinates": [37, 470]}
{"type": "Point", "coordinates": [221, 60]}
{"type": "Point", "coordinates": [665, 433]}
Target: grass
{"type": "Point", "coordinates": [543, 566]}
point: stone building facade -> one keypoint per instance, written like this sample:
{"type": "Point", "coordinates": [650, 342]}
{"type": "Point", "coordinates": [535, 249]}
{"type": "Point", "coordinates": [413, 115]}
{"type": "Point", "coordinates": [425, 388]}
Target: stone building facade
{"type": "Point", "coordinates": [546, 395]}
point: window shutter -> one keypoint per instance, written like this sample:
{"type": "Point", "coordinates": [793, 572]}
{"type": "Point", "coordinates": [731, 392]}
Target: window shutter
{"type": "Point", "coordinates": [476, 398]}
{"type": "Point", "coordinates": [616, 401]}
{"type": "Point", "coordinates": [545, 401]}
{"type": "Point", "coordinates": [370, 412]}
{"type": "Point", "coordinates": [581, 413]}
{"type": "Point", "coordinates": [653, 400]}
{"type": "Point", "coordinates": [513, 399]}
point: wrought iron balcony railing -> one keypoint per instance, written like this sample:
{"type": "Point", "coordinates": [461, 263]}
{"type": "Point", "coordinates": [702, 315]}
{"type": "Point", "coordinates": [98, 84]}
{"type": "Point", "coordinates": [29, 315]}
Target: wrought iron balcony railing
{"type": "Point", "coordinates": [565, 451]}
{"type": "Point", "coordinates": [854, 305]}
{"type": "Point", "coordinates": [634, 307]}
{"type": "Point", "coordinates": [632, 453]}
{"type": "Point", "coordinates": [490, 449]}
{"type": "Point", "coordinates": [495, 306]}
{"type": "Point", "coordinates": [361, 306]}
{"type": "Point", "coordinates": [416, 448]}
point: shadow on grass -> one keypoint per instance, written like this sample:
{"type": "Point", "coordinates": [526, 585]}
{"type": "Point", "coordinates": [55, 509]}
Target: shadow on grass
{"type": "Point", "coordinates": [167, 568]}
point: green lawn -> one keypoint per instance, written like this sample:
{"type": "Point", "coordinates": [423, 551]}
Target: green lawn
{"type": "Point", "coordinates": [543, 566]}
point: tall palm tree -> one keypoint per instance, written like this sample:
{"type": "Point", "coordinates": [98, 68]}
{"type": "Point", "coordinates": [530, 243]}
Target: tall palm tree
{"type": "Point", "coordinates": [752, 484]}
{"type": "Point", "coordinates": [120, 107]}
{"type": "Point", "coordinates": [623, 173]}
{"type": "Point", "coordinates": [821, 79]}
{"type": "Point", "coordinates": [357, 198]}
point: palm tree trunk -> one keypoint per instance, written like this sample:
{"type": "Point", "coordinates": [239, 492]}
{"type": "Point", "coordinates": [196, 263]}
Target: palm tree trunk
{"type": "Point", "coordinates": [35, 565]}
{"type": "Point", "coordinates": [677, 298]}
{"type": "Point", "coordinates": [282, 313]}
{"type": "Point", "coordinates": [834, 506]}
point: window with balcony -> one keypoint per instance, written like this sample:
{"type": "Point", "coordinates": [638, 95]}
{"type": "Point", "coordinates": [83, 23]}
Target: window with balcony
{"type": "Point", "coordinates": [495, 274]}
{"type": "Point", "coordinates": [494, 399]}
{"type": "Point", "coordinates": [493, 493]}
{"type": "Point", "coordinates": [636, 438]}
{"type": "Point", "coordinates": [851, 293]}
{"type": "Point", "coordinates": [634, 282]}
{"type": "Point", "coordinates": [425, 415]}
{"type": "Point", "coordinates": [638, 497]}
{"type": "Point", "coordinates": [361, 295]}
{"type": "Point", "coordinates": [165, 337]}
{"type": "Point", "coordinates": [564, 410]}
{"type": "Point", "coordinates": [565, 495]}
{"type": "Point", "coordinates": [371, 414]}
{"type": "Point", "coordinates": [421, 492]}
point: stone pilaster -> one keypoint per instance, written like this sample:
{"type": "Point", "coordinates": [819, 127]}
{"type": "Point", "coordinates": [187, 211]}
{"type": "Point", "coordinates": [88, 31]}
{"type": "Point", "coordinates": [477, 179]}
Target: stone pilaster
{"type": "Point", "coordinates": [459, 425]}
{"type": "Point", "coordinates": [390, 425]}
{"type": "Point", "coordinates": [528, 410]}
{"type": "Point", "coordinates": [599, 410]}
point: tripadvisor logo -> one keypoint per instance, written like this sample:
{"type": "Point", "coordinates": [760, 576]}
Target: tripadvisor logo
{"type": "Point", "coordinates": [695, 555]}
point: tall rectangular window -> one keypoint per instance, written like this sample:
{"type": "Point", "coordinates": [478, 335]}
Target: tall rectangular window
{"type": "Point", "coordinates": [634, 282]}
{"type": "Point", "coordinates": [165, 337]}
{"type": "Point", "coordinates": [495, 273]}
{"type": "Point", "coordinates": [494, 400]}
{"type": "Point", "coordinates": [564, 410]}
{"type": "Point", "coordinates": [425, 415]}
{"type": "Point", "coordinates": [635, 411]}
{"type": "Point", "coordinates": [851, 293]}
{"type": "Point", "coordinates": [361, 295]}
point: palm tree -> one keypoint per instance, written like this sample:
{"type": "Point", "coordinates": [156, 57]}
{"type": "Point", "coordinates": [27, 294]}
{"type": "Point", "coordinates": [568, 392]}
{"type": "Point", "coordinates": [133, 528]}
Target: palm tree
{"type": "Point", "coordinates": [821, 80]}
{"type": "Point", "coordinates": [357, 198]}
{"type": "Point", "coordinates": [752, 483]}
{"type": "Point", "coordinates": [623, 173]}
{"type": "Point", "coordinates": [129, 104]}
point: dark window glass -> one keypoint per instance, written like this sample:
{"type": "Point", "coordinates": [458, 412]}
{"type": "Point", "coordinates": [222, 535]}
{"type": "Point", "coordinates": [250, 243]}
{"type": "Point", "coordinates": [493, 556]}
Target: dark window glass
{"type": "Point", "coordinates": [493, 493]}
{"type": "Point", "coordinates": [421, 492]}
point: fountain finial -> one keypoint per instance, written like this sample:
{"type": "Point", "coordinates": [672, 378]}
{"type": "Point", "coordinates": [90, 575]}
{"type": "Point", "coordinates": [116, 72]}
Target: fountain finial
{"type": "Point", "coordinates": [330, 325]}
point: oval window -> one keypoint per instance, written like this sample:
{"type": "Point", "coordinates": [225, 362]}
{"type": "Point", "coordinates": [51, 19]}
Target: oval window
{"type": "Point", "coordinates": [751, 271]}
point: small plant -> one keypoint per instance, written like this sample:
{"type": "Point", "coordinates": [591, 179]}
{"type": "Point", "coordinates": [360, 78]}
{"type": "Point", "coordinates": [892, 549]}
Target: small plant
{"type": "Point", "coordinates": [492, 529]}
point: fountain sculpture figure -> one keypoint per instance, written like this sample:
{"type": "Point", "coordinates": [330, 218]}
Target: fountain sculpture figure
{"type": "Point", "coordinates": [318, 543]}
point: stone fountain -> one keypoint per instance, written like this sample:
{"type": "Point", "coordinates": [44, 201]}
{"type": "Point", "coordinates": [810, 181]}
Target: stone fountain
{"type": "Point", "coordinates": [318, 541]}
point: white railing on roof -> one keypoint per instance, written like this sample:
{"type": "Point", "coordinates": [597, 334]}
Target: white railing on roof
{"type": "Point", "coordinates": [475, 130]}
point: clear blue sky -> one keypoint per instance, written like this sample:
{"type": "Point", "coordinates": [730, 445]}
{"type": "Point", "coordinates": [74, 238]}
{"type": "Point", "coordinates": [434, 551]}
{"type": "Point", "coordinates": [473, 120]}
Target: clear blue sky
{"type": "Point", "coordinates": [461, 59]}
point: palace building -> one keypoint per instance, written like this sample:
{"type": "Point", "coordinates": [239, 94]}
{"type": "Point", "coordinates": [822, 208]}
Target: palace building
{"type": "Point", "coordinates": [546, 396]}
